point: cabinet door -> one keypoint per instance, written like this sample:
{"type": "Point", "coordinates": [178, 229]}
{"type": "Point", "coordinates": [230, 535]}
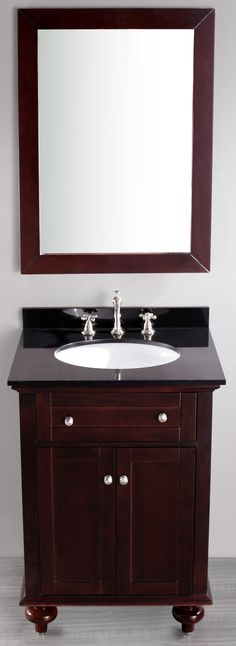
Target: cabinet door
{"type": "Point", "coordinates": [76, 520]}
{"type": "Point", "coordinates": [155, 520]}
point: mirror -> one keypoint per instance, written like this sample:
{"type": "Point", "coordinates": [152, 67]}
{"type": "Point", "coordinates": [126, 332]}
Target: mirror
{"type": "Point", "coordinates": [115, 112]}
{"type": "Point", "coordinates": [115, 122]}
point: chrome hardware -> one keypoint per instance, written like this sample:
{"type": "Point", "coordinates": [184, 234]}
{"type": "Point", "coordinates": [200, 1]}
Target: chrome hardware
{"type": "Point", "coordinates": [117, 330]}
{"type": "Point", "coordinates": [69, 421]}
{"type": "Point", "coordinates": [162, 417]}
{"type": "Point", "coordinates": [123, 480]}
{"type": "Point", "coordinates": [108, 480]}
{"type": "Point", "coordinates": [148, 329]}
{"type": "Point", "coordinates": [88, 330]}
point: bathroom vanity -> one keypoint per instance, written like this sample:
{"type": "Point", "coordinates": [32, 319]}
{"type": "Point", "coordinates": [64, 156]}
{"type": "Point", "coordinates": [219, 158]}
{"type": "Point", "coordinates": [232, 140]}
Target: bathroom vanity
{"type": "Point", "coordinates": [115, 176]}
{"type": "Point", "coordinates": [116, 466]}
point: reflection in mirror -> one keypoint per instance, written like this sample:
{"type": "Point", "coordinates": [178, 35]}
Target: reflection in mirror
{"type": "Point", "coordinates": [115, 140]}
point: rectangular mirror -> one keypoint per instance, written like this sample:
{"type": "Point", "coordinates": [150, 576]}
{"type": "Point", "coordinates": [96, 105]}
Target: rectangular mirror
{"type": "Point", "coordinates": [115, 109]}
{"type": "Point", "coordinates": [115, 122]}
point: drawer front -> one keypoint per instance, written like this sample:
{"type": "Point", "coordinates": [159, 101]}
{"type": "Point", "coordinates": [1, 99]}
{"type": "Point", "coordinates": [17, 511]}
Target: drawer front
{"type": "Point", "coordinates": [115, 417]}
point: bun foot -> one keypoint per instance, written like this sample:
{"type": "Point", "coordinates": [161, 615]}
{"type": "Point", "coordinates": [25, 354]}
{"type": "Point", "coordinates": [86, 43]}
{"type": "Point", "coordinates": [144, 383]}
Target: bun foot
{"type": "Point", "coordinates": [188, 616]}
{"type": "Point", "coordinates": [41, 616]}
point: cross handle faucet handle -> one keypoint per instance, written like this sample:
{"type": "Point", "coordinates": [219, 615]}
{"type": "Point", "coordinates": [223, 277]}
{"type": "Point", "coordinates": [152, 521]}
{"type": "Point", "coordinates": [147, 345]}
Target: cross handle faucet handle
{"type": "Point", "coordinates": [89, 318]}
{"type": "Point", "coordinates": [148, 317]}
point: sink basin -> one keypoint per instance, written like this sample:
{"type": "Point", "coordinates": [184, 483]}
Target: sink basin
{"type": "Point", "coordinates": [116, 355]}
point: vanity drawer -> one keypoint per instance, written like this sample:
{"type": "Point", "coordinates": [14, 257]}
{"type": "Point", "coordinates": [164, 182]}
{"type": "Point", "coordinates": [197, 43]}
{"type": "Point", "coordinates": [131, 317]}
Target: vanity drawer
{"type": "Point", "coordinates": [115, 417]}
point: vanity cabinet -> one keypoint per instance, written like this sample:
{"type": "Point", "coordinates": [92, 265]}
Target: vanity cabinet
{"type": "Point", "coordinates": [116, 497]}
{"type": "Point", "coordinates": [116, 521]}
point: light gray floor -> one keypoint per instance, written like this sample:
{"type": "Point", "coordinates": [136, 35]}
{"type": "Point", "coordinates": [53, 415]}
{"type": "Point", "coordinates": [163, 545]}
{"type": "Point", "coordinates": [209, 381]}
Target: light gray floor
{"type": "Point", "coordinates": [146, 626]}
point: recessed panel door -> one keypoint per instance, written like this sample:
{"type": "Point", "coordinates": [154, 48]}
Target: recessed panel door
{"type": "Point", "coordinates": [155, 507]}
{"type": "Point", "coordinates": [76, 520]}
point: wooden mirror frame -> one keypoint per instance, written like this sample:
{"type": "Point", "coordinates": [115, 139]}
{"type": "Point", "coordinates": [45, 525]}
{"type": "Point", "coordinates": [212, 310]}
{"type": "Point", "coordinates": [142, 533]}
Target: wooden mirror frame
{"type": "Point", "coordinates": [202, 21]}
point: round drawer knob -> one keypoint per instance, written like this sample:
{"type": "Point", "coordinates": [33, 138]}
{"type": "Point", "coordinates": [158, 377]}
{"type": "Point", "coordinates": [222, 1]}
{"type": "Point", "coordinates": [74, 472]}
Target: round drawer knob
{"type": "Point", "coordinates": [108, 480]}
{"type": "Point", "coordinates": [69, 421]}
{"type": "Point", "coordinates": [162, 417]}
{"type": "Point", "coordinates": [123, 480]}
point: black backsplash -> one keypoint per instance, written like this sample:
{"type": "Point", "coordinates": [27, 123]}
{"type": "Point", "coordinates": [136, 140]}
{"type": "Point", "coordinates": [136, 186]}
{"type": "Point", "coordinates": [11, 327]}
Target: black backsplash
{"type": "Point", "coordinates": [70, 318]}
{"type": "Point", "coordinates": [50, 327]}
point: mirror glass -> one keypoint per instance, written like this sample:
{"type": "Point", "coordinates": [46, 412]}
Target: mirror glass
{"type": "Point", "coordinates": [115, 134]}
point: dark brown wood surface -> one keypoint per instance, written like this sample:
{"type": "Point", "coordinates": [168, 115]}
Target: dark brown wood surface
{"type": "Point", "coordinates": [76, 521]}
{"type": "Point", "coordinates": [29, 493]}
{"type": "Point", "coordinates": [202, 502]}
{"type": "Point", "coordinates": [155, 521]}
{"type": "Point", "coordinates": [145, 542]}
{"type": "Point", "coordinates": [116, 416]}
{"type": "Point", "coordinates": [202, 21]}
{"type": "Point", "coordinates": [41, 616]}
{"type": "Point", "coordinates": [188, 616]}
{"type": "Point", "coordinates": [100, 397]}
{"type": "Point", "coordinates": [202, 132]}
{"type": "Point", "coordinates": [117, 599]}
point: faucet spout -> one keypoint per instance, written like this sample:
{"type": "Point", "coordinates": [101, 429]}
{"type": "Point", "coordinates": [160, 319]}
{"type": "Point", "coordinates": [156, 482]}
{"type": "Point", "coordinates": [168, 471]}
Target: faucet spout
{"type": "Point", "coordinates": [117, 330]}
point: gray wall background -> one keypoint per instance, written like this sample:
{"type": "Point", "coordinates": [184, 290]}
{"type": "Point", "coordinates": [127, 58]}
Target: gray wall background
{"type": "Point", "coordinates": [216, 289]}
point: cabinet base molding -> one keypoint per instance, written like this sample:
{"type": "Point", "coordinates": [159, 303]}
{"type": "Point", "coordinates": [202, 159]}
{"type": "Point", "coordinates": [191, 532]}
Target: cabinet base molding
{"type": "Point", "coordinates": [188, 616]}
{"type": "Point", "coordinates": [117, 600]}
{"type": "Point", "coordinates": [41, 616]}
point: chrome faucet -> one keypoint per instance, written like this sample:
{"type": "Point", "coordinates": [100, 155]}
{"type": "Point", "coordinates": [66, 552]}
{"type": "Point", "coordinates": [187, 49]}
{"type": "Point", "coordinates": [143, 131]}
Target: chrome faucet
{"type": "Point", "coordinates": [88, 331]}
{"type": "Point", "coordinates": [148, 329]}
{"type": "Point", "coordinates": [117, 330]}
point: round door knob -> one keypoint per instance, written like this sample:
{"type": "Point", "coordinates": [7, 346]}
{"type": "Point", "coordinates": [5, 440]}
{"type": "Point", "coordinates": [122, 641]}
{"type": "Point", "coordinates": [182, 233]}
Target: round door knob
{"type": "Point", "coordinates": [123, 480]}
{"type": "Point", "coordinates": [162, 417]}
{"type": "Point", "coordinates": [69, 421]}
{"type": "Point", "coordinates": [108, 480]}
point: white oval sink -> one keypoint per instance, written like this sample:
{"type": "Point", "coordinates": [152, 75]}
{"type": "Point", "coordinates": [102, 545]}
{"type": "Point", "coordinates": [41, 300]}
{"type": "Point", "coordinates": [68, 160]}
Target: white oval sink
{"type": "Point", "coordinates": [116, 355]}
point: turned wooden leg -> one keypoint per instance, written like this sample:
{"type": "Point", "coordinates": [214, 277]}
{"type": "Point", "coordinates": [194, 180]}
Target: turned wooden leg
{"type": "Point", "coordinates": [188, 616]}
{"type": "Point", "coordinates": [41, 616]}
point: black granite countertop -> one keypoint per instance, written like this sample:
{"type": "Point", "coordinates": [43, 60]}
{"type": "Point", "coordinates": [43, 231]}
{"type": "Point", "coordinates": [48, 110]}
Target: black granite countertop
{"type": "Point", "coordinates": [46, 329]}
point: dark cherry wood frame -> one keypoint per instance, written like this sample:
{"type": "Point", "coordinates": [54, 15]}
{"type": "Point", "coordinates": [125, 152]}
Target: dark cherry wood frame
{"type": "Point", "coordinates": [202, 21]}
{"type": "Point", "coordinates": [41, 609]}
